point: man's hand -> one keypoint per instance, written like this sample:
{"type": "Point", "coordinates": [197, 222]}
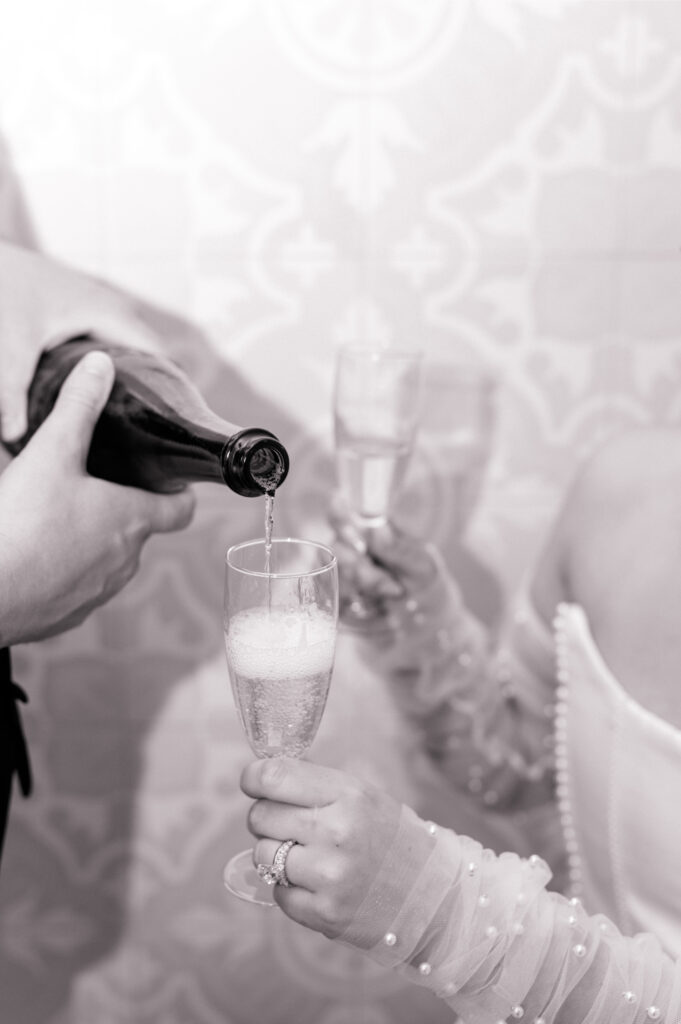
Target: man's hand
{"type": "Point", "coordinates": [68, 541]}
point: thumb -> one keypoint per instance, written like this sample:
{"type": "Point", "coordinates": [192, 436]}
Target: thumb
{"type": "Point", "coordinates": [12, 413]}
{"type": "Point", "coordinates": [81, 399]}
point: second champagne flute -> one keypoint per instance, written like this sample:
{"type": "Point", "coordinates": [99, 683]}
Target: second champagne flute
{"type": "Point", "coordinates": [377, 400]}
{"type": "Point", "coordinates": [281, 617]}
{"type": "Point", "coordinates": [377, 405]}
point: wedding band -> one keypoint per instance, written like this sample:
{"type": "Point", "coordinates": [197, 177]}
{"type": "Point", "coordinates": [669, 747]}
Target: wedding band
{"type": "Point", "coordinates": [275, 873]}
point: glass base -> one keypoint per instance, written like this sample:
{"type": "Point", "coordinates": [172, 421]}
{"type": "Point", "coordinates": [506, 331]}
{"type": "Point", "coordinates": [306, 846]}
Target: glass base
{"type": "Point", "coordinates": [241, 879]}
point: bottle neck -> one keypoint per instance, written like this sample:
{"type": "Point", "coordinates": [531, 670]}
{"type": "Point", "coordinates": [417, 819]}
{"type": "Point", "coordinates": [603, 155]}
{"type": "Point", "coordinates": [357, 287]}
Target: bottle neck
{"type": "Point", "coordinates": [254, 461]}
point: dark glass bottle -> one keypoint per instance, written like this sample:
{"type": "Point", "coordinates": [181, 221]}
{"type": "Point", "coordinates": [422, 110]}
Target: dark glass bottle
{"type": "Point", "coordinates": [156, 430]}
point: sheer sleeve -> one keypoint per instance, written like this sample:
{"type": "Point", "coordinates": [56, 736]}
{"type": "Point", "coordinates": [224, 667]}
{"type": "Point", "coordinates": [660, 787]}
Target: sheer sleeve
{"type": "Point", "coordinates": [483, 933]}
{"type": "Point", "coordinates": [483, 707]}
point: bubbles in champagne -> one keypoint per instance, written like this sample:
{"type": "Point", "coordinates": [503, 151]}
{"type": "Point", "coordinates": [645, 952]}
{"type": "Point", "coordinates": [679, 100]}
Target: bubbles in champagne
{"type": "Point", "coordinates": [280, 664]}
{"type": "Point", "coordinates": [267, 469]}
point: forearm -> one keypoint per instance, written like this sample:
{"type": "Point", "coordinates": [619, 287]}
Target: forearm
{"type": "Point", "coordinates": [483, 933]}
{"type": "Point", "coordinates": [484, 712]}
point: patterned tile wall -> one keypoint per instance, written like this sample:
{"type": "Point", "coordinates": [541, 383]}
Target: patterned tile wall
{"type": "Point", "coordinates": [496, 181]}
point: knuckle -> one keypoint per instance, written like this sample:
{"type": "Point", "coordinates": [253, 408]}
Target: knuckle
{"type": "Point", "coordinates": [329, 915]}
{"type": "Point", "coordinates": [185, 507]}
{"type": "Point", "coordinates": [272, 775]}
{"type": "Point", "coordinates": [255, 818]}
{"type": "Point", "coordinates": [360, 796]}
{"type": "Point", "coordinates": [126, 549]}
{"type": "Point", "coordinates": [332, 872]}
{"type": "Point", "coordinates": [340, 829]}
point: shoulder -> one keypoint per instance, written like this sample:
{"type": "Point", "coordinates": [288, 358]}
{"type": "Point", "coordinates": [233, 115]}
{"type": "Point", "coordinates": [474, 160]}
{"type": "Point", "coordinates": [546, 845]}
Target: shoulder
{"type": "Point", "coordinates": [621, 516]}
{"type": "Point", "coordinates": [624, 496]}
{"type": "Point", "coordinates": [625, 467]}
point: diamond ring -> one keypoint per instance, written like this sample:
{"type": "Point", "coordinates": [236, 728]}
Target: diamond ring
{"type": "Point", "coordinates": [275, 873]}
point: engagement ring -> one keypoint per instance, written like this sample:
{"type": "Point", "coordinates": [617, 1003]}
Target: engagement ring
{"type": "Point", "coordinates": [275, 873]}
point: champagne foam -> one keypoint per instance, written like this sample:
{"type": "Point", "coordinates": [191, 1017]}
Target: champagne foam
{"type": "Point", "coordinates": [276, 644]}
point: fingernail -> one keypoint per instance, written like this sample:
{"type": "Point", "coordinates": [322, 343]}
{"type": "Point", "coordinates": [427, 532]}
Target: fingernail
{"type": "Point", "coordinates": [13, 427]}
{"type": "Point", "coordinates": [353, 539]}
{"type": "Point", "coordinates": [97, 363]}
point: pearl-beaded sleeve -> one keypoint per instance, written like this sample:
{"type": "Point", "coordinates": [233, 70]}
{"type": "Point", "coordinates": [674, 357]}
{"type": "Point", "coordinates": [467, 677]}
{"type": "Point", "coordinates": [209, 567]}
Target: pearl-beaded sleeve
{"type": "Point", "coordinates": [483, 933]}
{"type": "Point", "coordinates": [483, 708]}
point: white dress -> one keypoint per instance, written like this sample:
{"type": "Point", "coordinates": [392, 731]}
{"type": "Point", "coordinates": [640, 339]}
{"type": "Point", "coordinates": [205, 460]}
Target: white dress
{"type": "Point", "coordinates": [619, 787]}
{"type": "Point", "coordinates": [483, 932]}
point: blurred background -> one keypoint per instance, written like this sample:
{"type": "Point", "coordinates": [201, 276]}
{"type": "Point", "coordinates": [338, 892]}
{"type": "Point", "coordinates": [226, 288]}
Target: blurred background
{"type": "Point", "coordinates": [497, 182]}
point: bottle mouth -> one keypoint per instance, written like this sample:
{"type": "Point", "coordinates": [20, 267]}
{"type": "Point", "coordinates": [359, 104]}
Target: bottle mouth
{"type": "Point", "coordinates": [258, 459]}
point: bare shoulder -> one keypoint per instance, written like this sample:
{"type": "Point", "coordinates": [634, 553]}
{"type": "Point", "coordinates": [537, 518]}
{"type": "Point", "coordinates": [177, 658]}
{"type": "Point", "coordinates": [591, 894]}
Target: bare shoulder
{"type": "Point", "coordinates": [627, 465]}
{"type": "Point", "coordinates": [621, 497]}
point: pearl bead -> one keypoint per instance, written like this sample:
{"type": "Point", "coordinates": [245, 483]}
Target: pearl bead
{"type": "Point", "coordinates": [579, 950]}
{"type": "Point", "coordinates": [629, 997]}
{"type": "Point", "coordinates": [425, 969]}
{"type": "Point", "coordinates": [539, 1020]}
{"type": "Point", "coordinates": [472, 868]}
{"type": "Point", "coordinates": [534, 861]}
{"type": "Point", "coordinates": [432, 828]}
{"type": "Point", "coordinates": [575, 901]}
{"type": "Point", "coordinates": [518, 928]}
{"type": "Point", "coordinates": [483, 901]}
{"type": "Point", "coordinates": [491, 931]}
{"type": "Point", "coordinates": [390, 938]}
{"type": "Point", "coordinates": [517, 1012]}
{"type": "Point", "coordinates": [653, 1013]}
{"type": "Point", "coordinates": [572, 920]}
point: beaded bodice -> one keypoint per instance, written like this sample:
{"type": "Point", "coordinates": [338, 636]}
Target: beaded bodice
{"type": "Point", "coordinates": [619, 782]}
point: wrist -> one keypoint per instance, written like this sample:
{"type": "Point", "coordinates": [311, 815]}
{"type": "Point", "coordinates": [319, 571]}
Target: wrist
{"type": "Point", "coordinates": [420, 864]}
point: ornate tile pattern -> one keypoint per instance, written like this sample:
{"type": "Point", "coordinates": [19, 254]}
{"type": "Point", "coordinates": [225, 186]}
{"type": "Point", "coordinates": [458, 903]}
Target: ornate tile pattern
{"type": "Point", "coordinates": [496, 180]}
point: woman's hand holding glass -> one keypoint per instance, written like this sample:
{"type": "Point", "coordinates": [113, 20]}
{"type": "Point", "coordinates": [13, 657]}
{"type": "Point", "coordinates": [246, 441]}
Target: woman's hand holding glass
{"type": "Point", "coordinates": [342, 829]}
{"type": "Point", "coordinates": [405, 580]}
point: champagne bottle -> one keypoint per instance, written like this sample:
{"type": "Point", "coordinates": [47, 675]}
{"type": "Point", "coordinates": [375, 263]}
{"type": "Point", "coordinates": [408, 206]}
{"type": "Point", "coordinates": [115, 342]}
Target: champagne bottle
{"type": "Point", "coordinates": [156, 431]}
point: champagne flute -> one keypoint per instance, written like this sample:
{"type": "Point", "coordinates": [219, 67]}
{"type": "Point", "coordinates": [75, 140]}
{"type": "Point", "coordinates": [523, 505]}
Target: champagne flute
{"type": "Point", "coordinates": [457, 430]}
{"type": "Point", "coordinates": [280, 624]}
{"type": "Point", "coordinates": [377, 402]}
